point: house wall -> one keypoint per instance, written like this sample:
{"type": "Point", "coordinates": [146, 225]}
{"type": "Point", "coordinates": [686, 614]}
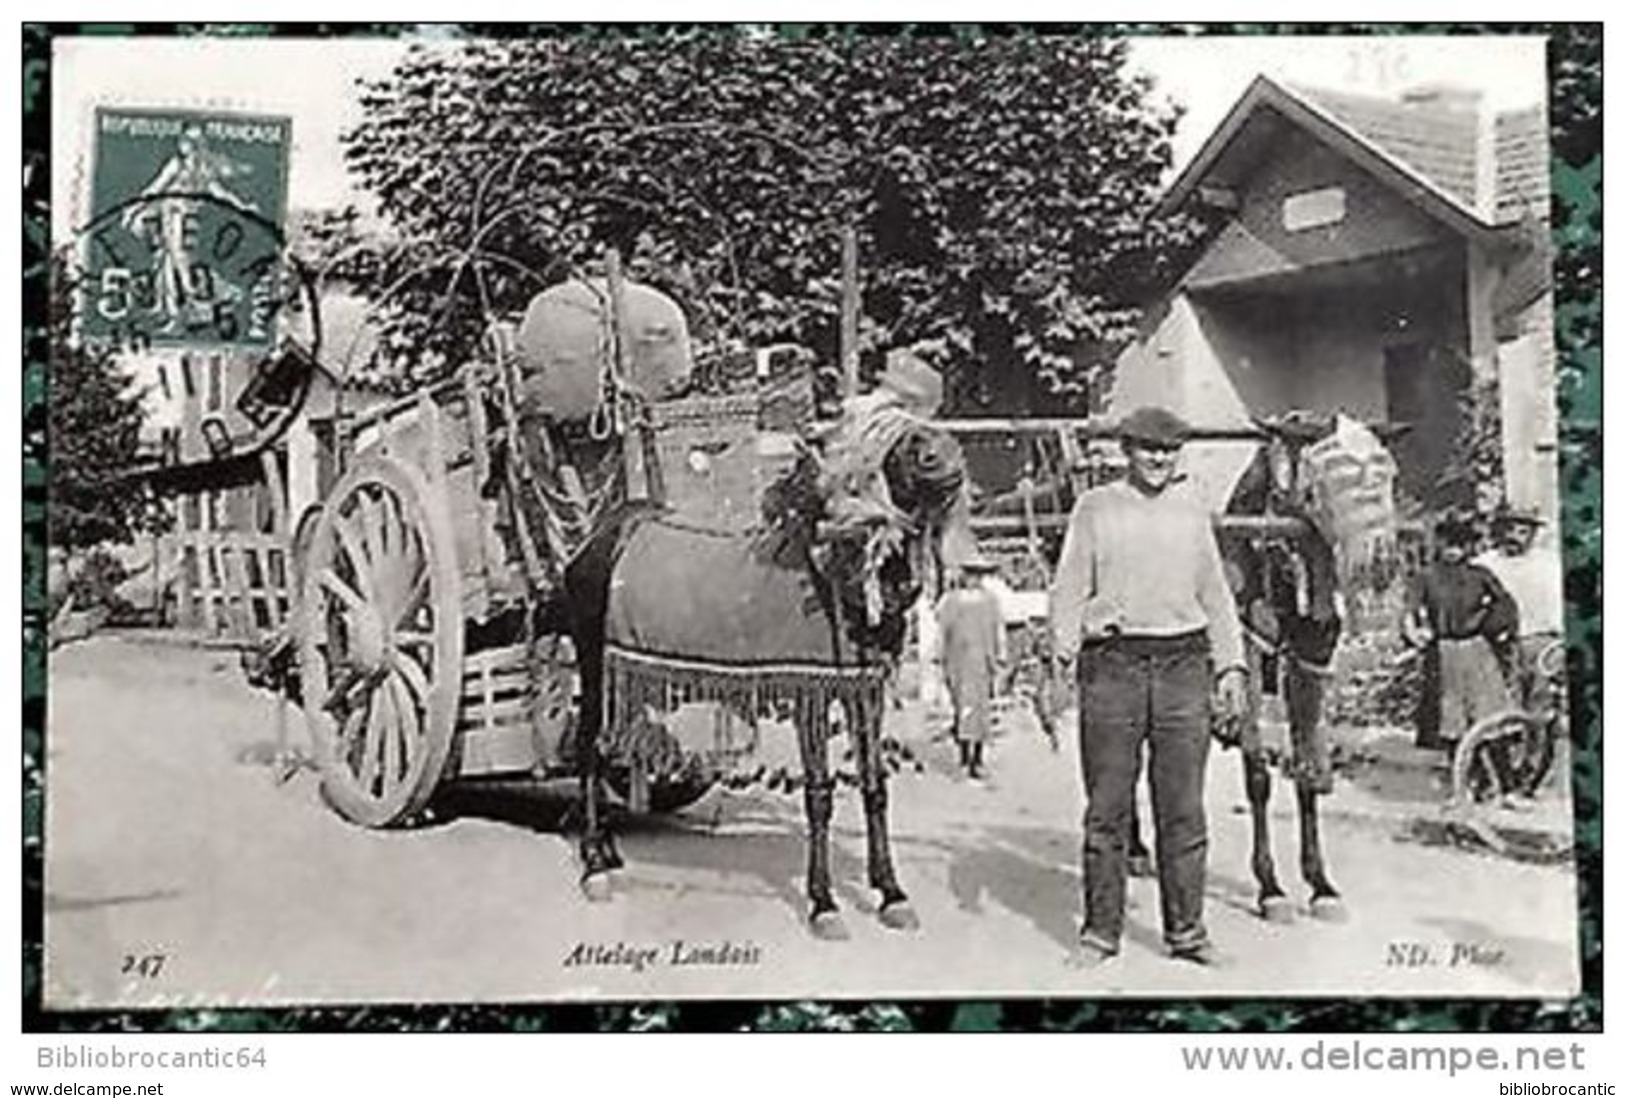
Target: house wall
{"type": "Point", "coordinates": [1179, 366]}
{"type": "Point", "coordinates": [1529, 421]}
{"type": "Point", "coordinates": [1251, 350]}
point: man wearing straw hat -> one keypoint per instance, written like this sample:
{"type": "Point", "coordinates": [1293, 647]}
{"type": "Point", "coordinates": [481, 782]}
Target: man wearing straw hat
{"type": "Point", "coordinates": [1141, 601]}
{"type": "Point", "coordinates": [1532, 575]}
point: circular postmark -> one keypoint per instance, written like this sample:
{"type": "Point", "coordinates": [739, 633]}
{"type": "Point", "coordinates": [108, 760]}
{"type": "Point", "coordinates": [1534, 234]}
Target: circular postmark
{"type": "Point", "coordinates": [202, 294]}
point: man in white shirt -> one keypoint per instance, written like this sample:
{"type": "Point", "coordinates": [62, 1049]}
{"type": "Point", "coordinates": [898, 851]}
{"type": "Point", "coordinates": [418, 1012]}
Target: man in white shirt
{"type": "Point", "coordinates": [1532, 574]}
{"type": "Point", "coordinates": [1140, 599]}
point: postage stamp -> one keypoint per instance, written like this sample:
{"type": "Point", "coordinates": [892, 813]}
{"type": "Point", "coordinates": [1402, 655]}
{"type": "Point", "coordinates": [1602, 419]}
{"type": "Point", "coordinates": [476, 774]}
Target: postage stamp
{"type": "Point", "coordinates": [1170, 605]}
{"type": "Point", "coordinates": [182, 267]}
{"type": "Point", "coordinates": [186, 208]}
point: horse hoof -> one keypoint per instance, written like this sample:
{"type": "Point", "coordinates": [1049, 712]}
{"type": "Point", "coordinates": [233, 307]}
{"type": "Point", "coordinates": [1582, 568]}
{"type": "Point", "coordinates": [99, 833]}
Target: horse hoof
{"type": "Point", "coordinates": [899, 915]}
{"type": "Point", "coordinates": [1276, 909]}
{"type": "Point", "coordinates": [597, 888]}
{"type": "Point", "coordinates": [829, 926]}
{"type": "Point", "coordinates": [1329, 909]}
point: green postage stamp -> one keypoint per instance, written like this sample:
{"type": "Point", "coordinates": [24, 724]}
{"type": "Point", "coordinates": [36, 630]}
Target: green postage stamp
{"type": "Point", "coordinates": [183, 245]}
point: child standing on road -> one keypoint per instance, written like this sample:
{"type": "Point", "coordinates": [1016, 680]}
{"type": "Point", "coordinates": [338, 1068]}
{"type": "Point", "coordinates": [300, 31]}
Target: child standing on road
{"type": "Point", "coordinates": [971, 626]}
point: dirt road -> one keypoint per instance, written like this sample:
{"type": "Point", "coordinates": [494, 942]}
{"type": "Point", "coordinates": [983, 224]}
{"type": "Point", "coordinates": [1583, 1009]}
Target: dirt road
{"type": "Point", "coordinates": [180, 872]}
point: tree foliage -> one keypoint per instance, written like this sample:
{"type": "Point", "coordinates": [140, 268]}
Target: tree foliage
{"type": "Point", "coordinates": [999, 188]}
{"type": "Point", "coordinates": [95, 426]}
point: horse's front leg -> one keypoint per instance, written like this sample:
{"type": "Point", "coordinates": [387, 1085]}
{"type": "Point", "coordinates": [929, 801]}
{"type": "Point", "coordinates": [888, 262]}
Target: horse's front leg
{"type": "Point", "coordinates": [895, 910]}
{"type": "Point", "coordinates": [1325, 902]}
{"type": "Point", "coordinates": [598, 854]}
{"type": "Point", "coordinates": [819, 792]}
{"type": "Point", "coordinates": [1272, 901]}
{"type": "Point", "coordinates": [1304, 692]}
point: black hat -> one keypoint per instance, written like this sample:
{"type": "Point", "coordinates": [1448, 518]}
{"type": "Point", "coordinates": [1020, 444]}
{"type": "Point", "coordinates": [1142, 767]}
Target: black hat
{"type": "Point", "coordinates": [1154, 426]}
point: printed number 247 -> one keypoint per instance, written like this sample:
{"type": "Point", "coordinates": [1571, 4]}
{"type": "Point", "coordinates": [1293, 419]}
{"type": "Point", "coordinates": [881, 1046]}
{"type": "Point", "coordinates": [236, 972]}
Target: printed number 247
{"type": "Point", "coordinates": [146, 965]}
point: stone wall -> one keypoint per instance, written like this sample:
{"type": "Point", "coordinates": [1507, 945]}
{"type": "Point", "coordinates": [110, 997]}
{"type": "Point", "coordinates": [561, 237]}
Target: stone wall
{"type": "Point", "coordinates": [1376, 681]}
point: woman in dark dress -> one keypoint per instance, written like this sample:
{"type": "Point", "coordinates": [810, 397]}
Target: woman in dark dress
{"type": "Point", "coordinates": [1469, 624]}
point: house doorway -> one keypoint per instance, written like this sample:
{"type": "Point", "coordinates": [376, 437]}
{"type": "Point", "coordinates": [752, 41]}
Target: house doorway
{"type": "Point", "coordinates": [1427, 387]}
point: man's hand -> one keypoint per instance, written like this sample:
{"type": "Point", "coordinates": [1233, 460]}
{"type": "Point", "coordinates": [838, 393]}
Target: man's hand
{"type": "Point", "coordinates": [1230, 704]}
{"type": "Point", "coordinates": [1232, 690]}
{"type": "Point", "coordinates": [1101, 618]}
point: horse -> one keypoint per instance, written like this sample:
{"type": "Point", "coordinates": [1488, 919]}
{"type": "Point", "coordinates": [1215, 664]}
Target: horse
{"type": "Point", "coordinates": [1299, 585]}
{"type": "Point", "coordinates": [803, 617]}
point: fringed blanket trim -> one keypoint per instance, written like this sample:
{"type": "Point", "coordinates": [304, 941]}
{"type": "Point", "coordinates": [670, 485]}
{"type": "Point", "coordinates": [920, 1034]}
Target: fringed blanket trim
{"type": "Point", "coordinates": [640, 688]}
{"type": "Point", "coordinates": [742, 669]}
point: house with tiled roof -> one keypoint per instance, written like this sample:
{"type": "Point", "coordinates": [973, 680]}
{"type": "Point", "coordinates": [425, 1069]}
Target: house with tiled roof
{"type": "Point", "coordinates": [1384, 257]}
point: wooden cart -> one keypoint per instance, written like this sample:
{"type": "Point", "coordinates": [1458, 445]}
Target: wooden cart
{"type": "Point", "coordinates": [420, 577]}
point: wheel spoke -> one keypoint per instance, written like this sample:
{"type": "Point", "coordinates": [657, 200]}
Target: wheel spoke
{"type": "Point", "coordinates": [340, 688]}
{"type": "Point", "coordinates": [414, 677]}
{"type": "Point", "coordinates": [389, 772]}
{"type": "Point", "coordinates": [346, 594]}
{"type": "Point", "coordinates": [411, 727]}
{"type": "Point", "coordinates": [355, 548]}
{"type": "Point", "coordinates": [402, 536]}
{"type": "Point", "coordinates": [352, 739]}
{"type": "Point", "coordinates": [372, 526]}
{"type": "Point", "coordinates": [413, 601]}
{"type": "Point", "coordinates": [389, 565]}
{"type": "Point", "coordinates": [394, 736]}
{"type": "Point", "coordinates": [351, 724]}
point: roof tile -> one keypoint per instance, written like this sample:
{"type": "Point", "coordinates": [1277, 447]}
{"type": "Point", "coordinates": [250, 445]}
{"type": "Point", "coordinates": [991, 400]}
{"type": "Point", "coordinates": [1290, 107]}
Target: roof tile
{"type": "Point", "coordinates": [1438, 140]}
{"type": "Point", "coordinates": [1522, 159]}
{"type": "Point", "coordinates": [1435, 141]}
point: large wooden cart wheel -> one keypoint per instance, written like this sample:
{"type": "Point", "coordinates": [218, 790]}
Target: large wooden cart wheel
{"type": "Point", "coordinates": [381, 642]}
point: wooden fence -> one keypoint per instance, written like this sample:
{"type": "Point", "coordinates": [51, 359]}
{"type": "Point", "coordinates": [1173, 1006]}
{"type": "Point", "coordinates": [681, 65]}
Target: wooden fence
{"type": "Point", "coordinates": [231, 584]}
{"type": "Point", "coordinates": [233, 575]}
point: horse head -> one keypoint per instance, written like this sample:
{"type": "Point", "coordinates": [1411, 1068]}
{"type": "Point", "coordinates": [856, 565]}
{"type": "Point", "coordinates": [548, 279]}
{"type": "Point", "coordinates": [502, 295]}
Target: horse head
{"type": "Point", "coordinates": [1336, 473]}
{"type": "Point", "coordinates": [875, 508]}
{"type": "Point", "coordinates": [925, 477]}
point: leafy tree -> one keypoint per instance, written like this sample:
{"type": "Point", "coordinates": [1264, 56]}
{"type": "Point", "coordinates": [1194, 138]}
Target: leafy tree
{"type": "Point", "coordinates": [998, 187]}
{"type": "Point", "coordinates": [95, 420]}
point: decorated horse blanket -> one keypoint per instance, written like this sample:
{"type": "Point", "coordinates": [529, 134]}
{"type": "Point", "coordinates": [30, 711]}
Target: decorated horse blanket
{"type": "Point", "coordinates": [720, 597]}
{"type": "Point", "coordinates": [732, 619]}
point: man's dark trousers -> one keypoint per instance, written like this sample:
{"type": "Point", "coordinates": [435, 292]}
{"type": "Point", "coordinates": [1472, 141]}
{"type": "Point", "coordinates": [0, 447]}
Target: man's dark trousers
{"type": "Point", "coordinates": [1131, 690]}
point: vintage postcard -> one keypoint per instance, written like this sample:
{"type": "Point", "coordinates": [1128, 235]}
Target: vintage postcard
{"type": "Point", "coordinates": [748, 513]}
